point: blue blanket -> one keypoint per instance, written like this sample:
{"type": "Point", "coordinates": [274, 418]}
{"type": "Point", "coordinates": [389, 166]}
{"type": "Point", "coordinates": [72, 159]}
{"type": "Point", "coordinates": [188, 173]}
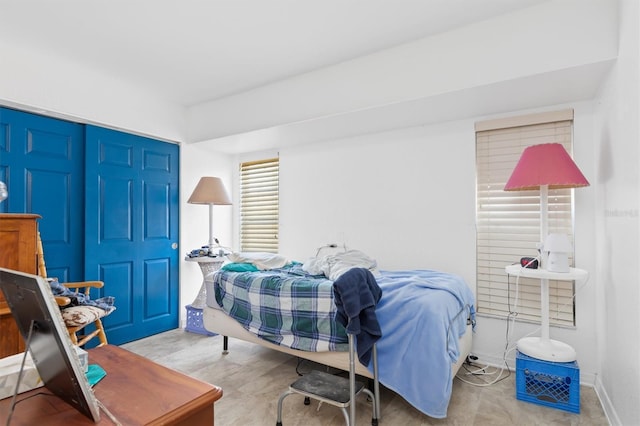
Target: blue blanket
{"type": "Point", "coordinates": [419, 344]}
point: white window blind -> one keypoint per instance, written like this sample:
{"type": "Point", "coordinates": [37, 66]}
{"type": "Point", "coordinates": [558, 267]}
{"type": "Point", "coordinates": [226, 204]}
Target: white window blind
{"type": "Point", "coordinates": [259, 205]}
{"type": "Point", "coordinates": [508, 223]}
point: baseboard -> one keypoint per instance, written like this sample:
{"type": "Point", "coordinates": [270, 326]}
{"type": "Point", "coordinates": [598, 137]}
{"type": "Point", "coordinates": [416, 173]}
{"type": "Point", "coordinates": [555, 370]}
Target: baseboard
{"type": "Point", "coordinates": [607, 406]}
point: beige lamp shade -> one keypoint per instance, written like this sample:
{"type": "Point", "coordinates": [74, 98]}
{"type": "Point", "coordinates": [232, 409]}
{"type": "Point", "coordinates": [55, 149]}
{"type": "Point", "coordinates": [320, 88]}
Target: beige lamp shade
{"type": "Point", "coordinates": [210, 190]}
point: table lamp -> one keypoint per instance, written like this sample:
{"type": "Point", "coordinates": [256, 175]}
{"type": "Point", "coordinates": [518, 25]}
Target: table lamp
{"type": "Point", "coordinates": [544, 167]}
{"type": "Point", "coordinates": [211, 191]}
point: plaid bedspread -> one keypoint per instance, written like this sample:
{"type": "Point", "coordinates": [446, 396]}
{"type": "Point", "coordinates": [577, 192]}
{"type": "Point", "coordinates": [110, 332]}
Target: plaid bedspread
{"type": "Point", "coordinates": [296, 311]}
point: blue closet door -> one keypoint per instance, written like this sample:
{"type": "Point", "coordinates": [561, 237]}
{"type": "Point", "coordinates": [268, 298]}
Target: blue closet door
{"type": "Point", "coordinates": [42, 163]}
{"type": "Point", "coordinates": [132, 230]}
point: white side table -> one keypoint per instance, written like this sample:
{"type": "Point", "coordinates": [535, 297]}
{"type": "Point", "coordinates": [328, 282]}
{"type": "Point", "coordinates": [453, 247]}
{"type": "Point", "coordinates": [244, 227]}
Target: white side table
{"type": "Point", "coordinates": [195, 311]}
{"type": "Point", "coordinates": [543, 347]}
{"type": "Point", "coordinates": [207, 265]}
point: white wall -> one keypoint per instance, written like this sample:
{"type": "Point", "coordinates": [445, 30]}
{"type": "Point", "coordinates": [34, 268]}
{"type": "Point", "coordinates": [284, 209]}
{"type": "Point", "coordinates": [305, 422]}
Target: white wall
{"type": "Point", "coordinates": [617, 211]}
{"type": "Point", "coordinates": [389, 194]}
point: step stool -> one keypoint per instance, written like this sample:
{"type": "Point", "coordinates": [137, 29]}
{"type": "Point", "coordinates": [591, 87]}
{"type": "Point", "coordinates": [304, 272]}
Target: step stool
{"type": "Point", "coordinates": [335, 390]}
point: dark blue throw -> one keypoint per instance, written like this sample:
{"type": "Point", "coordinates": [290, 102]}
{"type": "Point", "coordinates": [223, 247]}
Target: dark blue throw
{"type": "Point", "coordinates": [81, 299]}
{"type": "Point", "coordinates": [356, 293]}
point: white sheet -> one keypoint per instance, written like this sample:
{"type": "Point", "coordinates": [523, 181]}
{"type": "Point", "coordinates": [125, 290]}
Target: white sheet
{"type": "Point", "coordinates": [334, 265]}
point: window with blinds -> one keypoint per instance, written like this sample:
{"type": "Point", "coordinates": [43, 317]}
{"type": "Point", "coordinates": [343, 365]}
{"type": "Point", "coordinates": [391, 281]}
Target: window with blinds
{"type": "Point", "coordinates": [508, 223]}
{"type": "Point", "coordinates": [259, 205]}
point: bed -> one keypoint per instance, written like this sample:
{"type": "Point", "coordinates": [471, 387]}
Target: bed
{"type": "Point", "coordinates": [426, 318]}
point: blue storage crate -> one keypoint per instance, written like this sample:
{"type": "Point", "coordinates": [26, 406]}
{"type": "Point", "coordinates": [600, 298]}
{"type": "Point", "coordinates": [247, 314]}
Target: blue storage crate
{"type": "Point", "coordinates": [553, 384]}
{"type": "Point", "coordinates": [195, 323]}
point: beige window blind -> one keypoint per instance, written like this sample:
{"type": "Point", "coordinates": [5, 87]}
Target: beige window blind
{"type": "Point", "coordinates": [259, 205]}
{"type": "Point", "coordinates": [508, 223]}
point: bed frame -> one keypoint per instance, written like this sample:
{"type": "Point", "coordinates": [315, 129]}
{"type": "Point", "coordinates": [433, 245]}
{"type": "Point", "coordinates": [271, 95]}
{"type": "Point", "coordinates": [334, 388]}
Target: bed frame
{"type": "Point", "coordinates": [217, 321]}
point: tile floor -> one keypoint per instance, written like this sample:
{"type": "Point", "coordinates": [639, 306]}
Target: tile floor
{"type": "Point", "coordinates": [253, 377]}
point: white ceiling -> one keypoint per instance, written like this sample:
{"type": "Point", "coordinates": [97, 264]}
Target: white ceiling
{"type": "Point", "coordinates": [192, 51]}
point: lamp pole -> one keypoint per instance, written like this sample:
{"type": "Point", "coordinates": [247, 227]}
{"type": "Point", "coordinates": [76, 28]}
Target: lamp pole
{"type": "Point", "coordinates": [210, 226]}
{"type": "Point", "coordinates": [544, 283]}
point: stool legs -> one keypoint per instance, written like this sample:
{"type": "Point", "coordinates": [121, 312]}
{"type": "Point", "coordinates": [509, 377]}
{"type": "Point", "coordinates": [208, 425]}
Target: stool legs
{"type": "Point", "coordinates": [282, 397]}
{"type": "Point", "coordinates": [346, 416]}
{"type": "Point", "coordinates": [375, 407]}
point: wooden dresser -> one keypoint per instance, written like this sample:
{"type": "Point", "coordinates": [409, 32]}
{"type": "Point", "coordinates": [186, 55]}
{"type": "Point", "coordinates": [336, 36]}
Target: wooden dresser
{"type": "Point", "coordinates": [136, 390]}
{"type": "Point", "coordinates": [18, 239]}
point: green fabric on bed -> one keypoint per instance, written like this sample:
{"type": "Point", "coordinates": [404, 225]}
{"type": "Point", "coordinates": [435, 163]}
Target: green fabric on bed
{"type": "Point", "coordinates": [240, 267]}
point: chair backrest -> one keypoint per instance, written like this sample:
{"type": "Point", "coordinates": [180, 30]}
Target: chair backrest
{"type": "Point", "coordinates": [42, 269]}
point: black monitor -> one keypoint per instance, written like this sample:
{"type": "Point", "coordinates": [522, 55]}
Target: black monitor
{"type": "Point", "coordinates": [40, 323]}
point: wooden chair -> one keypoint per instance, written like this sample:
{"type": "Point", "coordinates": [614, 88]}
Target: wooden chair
{"type": "Point", "coordinates": [76, 318]}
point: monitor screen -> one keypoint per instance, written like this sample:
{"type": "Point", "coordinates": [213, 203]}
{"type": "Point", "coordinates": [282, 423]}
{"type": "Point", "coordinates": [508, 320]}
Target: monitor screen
{"type": "Point", "coordinates": [34, 308]}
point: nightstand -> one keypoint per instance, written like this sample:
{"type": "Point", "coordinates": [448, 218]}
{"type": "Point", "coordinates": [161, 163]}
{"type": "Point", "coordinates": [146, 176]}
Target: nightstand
{"type": "Point", "coordinates": [194, 310]}
{"type": "Point", "coordinates": [543, 347]}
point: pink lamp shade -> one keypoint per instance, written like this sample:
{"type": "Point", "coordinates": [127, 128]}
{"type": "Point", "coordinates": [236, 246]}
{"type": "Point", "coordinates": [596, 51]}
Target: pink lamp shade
{"type": "Point", "coordinates": [545, 164]}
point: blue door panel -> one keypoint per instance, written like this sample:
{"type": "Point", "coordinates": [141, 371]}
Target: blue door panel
{"type": "Point", "coordinates": [157, 289]}
{"type": "Point", "coordinates": [4, 133]}
{"type": "Point", "coordinates": [49, 145]}
{"type": "Point", "coordinates": [58, 187]}
{"type": "Point", "coordinates": [132, 216]}
{"type": "Point", "coordinates": [115, 209]}
{"type": "Point", "coordinates": [157, 214]}
{"type": "Point", "coordinates": [41, 161]}
{"type": "Point", "coordinates": [157, 161]}
{"type": "Point", "coordinates": [112, 153]}
{"type": "Point", "coordinates": [120, 278]}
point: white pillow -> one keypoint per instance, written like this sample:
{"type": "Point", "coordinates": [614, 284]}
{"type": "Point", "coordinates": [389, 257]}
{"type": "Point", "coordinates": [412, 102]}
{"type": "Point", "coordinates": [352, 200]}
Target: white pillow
{"type": "Point", "coordinates": [260, 260]}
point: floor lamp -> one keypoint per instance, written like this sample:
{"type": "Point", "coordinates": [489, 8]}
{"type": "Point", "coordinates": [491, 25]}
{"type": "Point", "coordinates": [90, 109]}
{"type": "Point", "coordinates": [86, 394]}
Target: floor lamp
{"type": "Point", "coordinates": [544, 167]}
{"type": "Point", "coordinates": [211, 191]}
